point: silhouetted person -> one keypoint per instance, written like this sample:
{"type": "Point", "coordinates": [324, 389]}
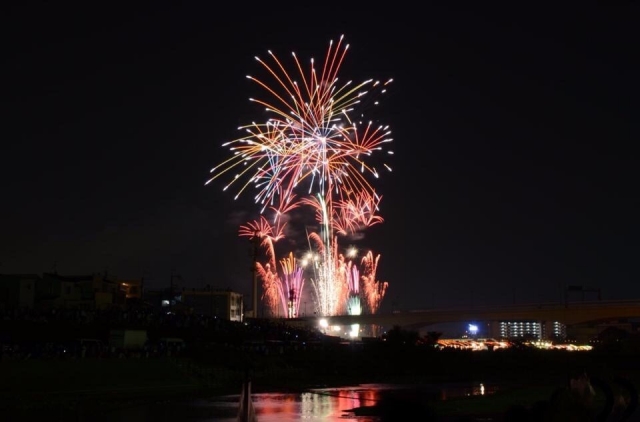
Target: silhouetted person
{"type": "Point", "coordinates": [576, 401]}
{"type": "Point", "coordinates": [625, 402]}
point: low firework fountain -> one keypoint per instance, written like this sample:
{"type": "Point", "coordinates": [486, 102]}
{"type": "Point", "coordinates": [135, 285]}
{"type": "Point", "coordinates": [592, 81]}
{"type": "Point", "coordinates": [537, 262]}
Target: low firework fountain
{"type": "Point", "coordinates": [353, 305]}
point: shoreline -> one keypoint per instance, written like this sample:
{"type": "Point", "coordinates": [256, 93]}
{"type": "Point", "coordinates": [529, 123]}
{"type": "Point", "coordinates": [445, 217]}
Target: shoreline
{"type": "Point", "coordinates": [79, 389]}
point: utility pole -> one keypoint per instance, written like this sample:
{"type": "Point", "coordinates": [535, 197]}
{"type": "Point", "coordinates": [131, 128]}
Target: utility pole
{"type": "Point", "coordinates": [171, 290]}
{"type": "Point", "coordinates": [255, 240]}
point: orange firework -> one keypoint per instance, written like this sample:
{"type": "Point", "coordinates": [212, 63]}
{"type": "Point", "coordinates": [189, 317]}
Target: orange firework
{"type": "Point", "coordinates": [373, 289]}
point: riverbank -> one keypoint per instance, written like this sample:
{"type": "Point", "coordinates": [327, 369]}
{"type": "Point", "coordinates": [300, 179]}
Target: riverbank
{"type": "Point", "coordinates": [68, 389]}
{"type": "Point", "coordinates": [77, 389]}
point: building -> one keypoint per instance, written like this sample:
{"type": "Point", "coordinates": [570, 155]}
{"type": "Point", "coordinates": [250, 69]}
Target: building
{"type": "Point", "coordinates": [589, 332]}
{"type": "Point", "coordinates": [224, 304]}
{"type": "Point", "coordinates": [521, 329]}
{"type": "Point", "coordinates": [132, 288]}
{"type": "Point", "coordinates": [219, 303]}
{"type": "Point", "coordinates": [555, 330]}
{"type": "Point", "coordinates": [17, 291]}
{"type": "Point", "coordinates": [530, 330]}
{"type": "Point", "coordinates": [79, 292]}
{"type": "Point", "coordinates": [72, 292]}
{"type": "Point", "coordinates": [57, 291]}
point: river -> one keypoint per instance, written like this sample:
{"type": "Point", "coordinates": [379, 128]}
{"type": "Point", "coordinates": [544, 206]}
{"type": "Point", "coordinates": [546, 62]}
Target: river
{"type": "Point", "coordinates": [323, 404]}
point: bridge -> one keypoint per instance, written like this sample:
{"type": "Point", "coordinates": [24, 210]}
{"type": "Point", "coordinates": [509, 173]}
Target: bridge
{"type": "Point", "coordinates": [570, 313]}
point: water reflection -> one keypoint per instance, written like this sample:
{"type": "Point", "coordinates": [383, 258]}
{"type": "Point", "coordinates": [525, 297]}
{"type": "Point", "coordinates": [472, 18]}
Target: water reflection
{"type": "Point", "coordinates": [316, 405]}
{"type": "Point", "coordinates": [331, 404]}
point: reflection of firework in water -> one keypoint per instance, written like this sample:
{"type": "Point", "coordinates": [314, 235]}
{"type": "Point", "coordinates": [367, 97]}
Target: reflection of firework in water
{"type": "Point", "coordinates": [312, 141]}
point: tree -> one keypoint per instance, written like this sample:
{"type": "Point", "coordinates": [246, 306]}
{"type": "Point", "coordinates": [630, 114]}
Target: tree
{"type": "Point", "coordinates": [398, 336]}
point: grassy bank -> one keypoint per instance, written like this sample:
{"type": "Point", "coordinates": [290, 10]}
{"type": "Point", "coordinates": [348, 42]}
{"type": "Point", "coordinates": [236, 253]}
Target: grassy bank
{"type": "Point", "coordinates": [71, 387]}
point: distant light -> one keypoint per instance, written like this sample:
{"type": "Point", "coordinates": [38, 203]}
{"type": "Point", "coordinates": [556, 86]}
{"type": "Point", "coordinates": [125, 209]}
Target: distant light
{"type": "Point", "coordinates": [473, 329]}
{"type": "Point", "coordinates": [324, 323]}
{"type": "Point", "coordinates": [355, 330]}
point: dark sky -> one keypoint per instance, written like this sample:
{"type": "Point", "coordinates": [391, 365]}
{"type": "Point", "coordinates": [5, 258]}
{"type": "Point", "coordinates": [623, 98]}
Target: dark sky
{"type": "Point", "coordinates": [515, 167]}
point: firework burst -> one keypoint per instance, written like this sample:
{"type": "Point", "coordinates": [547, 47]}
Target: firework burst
{"type": "Point", "coordinates": [310, 134]}
{"type": "Point", "coordinates": [310, 145]}
{"type": "Point", "coordinates": [374, 290]}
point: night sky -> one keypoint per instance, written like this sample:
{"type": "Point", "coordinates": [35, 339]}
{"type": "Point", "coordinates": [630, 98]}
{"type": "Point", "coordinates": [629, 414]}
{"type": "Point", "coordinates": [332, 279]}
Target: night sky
{"type": "Point", "coordinates": [515, 167]}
